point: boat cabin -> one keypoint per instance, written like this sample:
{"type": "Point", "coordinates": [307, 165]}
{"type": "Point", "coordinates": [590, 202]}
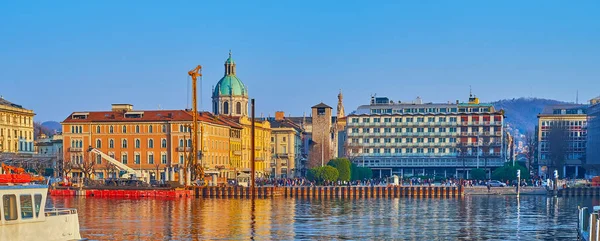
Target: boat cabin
{"type": "Point", "coordinates": [22, 203]}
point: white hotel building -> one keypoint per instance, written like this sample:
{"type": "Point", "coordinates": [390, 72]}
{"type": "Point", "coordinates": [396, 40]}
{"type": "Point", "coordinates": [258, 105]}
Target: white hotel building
{"type": "Point", "coordinates": [425, 139]}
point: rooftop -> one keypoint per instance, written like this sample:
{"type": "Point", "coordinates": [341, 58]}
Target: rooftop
{"type": "Point", "coordinates": [10, 104]}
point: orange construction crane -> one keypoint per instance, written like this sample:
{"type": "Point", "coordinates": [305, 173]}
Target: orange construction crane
{"type": "Point", "coordinates": [18, 170]}
{"type": "Point", "coordinates": [12, 170]}
{"type": "Point", "coordinates": [197, 170]}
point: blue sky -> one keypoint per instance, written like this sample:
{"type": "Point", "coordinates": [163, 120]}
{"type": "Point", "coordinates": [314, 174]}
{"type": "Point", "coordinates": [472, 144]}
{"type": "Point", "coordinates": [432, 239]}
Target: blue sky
{"type": "Point", "coordinates": [63, 56]}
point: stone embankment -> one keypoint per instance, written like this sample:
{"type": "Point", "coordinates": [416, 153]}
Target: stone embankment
{"type": "Point", "coordinates": [482, 190]}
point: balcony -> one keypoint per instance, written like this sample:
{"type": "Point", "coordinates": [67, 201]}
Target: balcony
{"type": "Point", "coordinates": [184, 149]}
{"type": "Point", "coordinates": [75, 149]}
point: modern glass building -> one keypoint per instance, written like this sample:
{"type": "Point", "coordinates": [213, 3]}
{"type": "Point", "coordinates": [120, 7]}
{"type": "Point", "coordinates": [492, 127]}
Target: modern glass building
{"type": "Point", "coordinates": [425, 139]}
{"type": "Point", "coordinates": [593, 134]}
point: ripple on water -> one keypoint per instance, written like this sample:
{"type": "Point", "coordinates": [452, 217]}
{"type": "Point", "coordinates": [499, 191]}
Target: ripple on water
{"type": "Point", "coordinates": [469, 218]}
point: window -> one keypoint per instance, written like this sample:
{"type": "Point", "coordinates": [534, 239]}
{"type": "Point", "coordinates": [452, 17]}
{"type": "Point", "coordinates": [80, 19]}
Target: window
{"type": "Point", "coordinates": [137, 129]}
{"type": "Point", "coordinates": [387, 130]}
{"type": "Point", "coordinates": [180, 159]}
{"type": "Point", "coordinates": [111, 143]}
{"type": "Point", "coordinates": [180, 142]}
{"type": "Point", "coordinates": [26, 206]}
{"type": "Point", "coordinates": [111, 129]}
{"type": "Point", "coordinates": [150, 129]}
{"type": "Point", "coordinates": [284, 139]}
{"type": "Point", "coordinates": [98, 159]}
{"type": "Point", "coordinates": [226, 108]}
{"type": "Point", "coordinates": [150, 143]}
{"type": "Point", "coordinates": [354, 120]}
{"type": "Point", "coordinates": [163, 158]}
{"type": "Point", "coordinates": [136, 159]}
{"type": "Point", "coordinates": [10, 207]}
{"type": "Point", "coordinates": [366, 120]}
{"type": "Point", "coordinates": [431, 119]}
{"type": "Point", "coordinates": [398, 130]}
{"type": "Point", "coordinates": [164, 128]}
{"type": "Point", "coordinates": [124, 129]}
{"type": "Point", "coordinates": [124, 158]}
{"type": "Point", "coordinates": [365, 130]}
{"type": "Point", "coordinates": [376, 120]}
{"type": "Point", "coordinates": [419, 150]}
{"type": "Point", "coordinates": [376, 130]}
{"type": "Point", "coordinates": [124, 143]}
{"type": "Point", "coordinates": [387, 120]}
{"type": "Point", "coordinates": [38, 204]}
{"type": "Point", "coordinates": [98, 143]}
{"type": "Point", "coordinates": [420, 140]}
{"type": "Point", "coordinates": [430, 140]}
{"type": "Point", "coordinates": [420, 119]}
{"type": "Point", "coordinates": [151, 158]}
{"type": "Point", "coordinates": [238, 108]}
{"type": "Point", "coordinates": [137, 143]}
{"type": "Point", "coordinates": [97, 129]}
{"type": "Point", "coordinates": [398, 120]}
{"type": "Point", "coordinates": [409, 140]}
{"type": "Point", "coordinates": [409, 119]}
{"type": "Point", "coordinates": [420, 129]}
{"type": "Point", "coordinates": [163, 143]}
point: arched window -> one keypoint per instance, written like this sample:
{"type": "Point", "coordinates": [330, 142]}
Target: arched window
{"type": "Point", "coordinates": [98, 143]}
{"type": "Point", "coordinates": [226, 108]}
{"type": "Point", "coordinates": [111, 143]}
{"type": "Point", "coordinates": [124, 143]}
{"type": "Point", "coordinates": [215, 107]}
{"type": "Point", "coordinates": [137, 143]}
{"type": "Point", "coordinates": [180, 128]}
{"type": "Point", "coordinates": [164, 143]}
{"type": "Point", "coordinates": [150, 129]}
{"type": "Point", "coordinates": [80, 144]}
{"type": "Point", "coordinates": [180, 142]}
{"type": "Point", "coordinates": [137, 129]}
{"type": "Point", "coordinates": [238, 108]}
{"type": "Point", "coordinates": [124, 129]}
{"type": "Point", "coordinates": [189, 142]}
{"type": "Point", "coordinates": [150, 143]}
{"type": "Point", "coordinates": [111, 129]}
{"type": "Point", "coordinates": [97, 129]}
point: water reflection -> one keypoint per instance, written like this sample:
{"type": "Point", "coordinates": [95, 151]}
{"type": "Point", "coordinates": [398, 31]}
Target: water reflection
{"type": "Point", "coordinates": [469, 218]}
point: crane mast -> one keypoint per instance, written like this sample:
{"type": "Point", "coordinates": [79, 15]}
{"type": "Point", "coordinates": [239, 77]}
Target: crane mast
{"type": "Point", "coordinates": [196, 169]}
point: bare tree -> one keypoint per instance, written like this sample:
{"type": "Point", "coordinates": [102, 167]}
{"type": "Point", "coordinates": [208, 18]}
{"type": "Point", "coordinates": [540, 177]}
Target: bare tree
{"type": "Point", "coordinates": [557, 146]}
{"type": "Point", "coordinates": [67, 167]}
{"type": "Point", "coordinates": [87, 166]}
{"type": "Point", "coordinates": [531, 143]}
{"type": "Point", "coordinates": [112, 168]}
{"type": "Point", "coordinates": [157, 166]}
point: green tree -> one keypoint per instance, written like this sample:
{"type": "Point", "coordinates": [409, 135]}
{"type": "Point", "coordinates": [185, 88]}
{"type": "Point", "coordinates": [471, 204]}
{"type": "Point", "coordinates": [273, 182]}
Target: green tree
{"type": "Point", "coordinates": [329, 173]}
{"type": "Point", "coordinates": [343, 166]}
{"type": "Point", "coordinates": [478, 174]}
{"type": "Point", "coordinates": [360, 173]}
{"type": "Point", "coordinates": [509, 172]}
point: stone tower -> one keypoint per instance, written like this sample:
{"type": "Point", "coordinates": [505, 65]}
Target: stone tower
{"type": "Point", "coordinates": [322, 135]}
{"type": "Point", "coordinates": [230, 95]}
{"type": "Point", "coordinates": [340, 128]}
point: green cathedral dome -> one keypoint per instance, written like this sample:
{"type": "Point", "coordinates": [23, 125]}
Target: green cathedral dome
{"type": "Point", "coordinates": [230, 85]}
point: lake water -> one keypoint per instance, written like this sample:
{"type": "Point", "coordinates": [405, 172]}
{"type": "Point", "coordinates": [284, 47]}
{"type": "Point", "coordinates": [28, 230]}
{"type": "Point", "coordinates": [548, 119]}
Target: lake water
{"type": "Point", "coordinates": [467, 218]}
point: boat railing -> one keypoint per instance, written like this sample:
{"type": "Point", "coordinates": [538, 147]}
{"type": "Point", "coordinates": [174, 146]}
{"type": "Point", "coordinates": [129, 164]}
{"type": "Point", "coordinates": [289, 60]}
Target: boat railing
{"type": "Point", "coordinates": [59, 211]}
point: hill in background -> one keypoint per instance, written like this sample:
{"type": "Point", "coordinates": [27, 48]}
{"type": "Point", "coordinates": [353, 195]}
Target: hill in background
{"type": "Point", "coordinates": [522, 113]}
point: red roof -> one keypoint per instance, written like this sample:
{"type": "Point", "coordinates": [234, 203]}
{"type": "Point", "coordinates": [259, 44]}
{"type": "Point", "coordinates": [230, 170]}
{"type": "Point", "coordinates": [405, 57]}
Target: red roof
{"type": "Point", "coordinates": [147, 116]}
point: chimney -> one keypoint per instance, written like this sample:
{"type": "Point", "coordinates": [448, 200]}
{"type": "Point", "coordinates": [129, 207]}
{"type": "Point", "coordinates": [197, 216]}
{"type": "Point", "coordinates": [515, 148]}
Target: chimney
{"type": "Point", "coordinates": [122, 107]}
{"type": "Point", "coordinates": [279, 115]}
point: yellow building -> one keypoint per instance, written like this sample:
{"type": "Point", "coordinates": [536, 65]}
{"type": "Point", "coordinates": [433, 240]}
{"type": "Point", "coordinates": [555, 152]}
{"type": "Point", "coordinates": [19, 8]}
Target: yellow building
{"type": "Point", "coordinates": [262, 154]}
{"type": "Point", "coordinates": [286, 146]}
{"type": "Point", "coordinates": [16, 128]}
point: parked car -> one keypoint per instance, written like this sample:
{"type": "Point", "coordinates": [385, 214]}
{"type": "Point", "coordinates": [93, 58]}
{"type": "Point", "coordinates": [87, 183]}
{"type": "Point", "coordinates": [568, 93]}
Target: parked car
{"type": "Point", "coordinates": [495, 183]}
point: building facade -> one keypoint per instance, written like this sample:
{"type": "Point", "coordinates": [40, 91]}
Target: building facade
{"type": "Point", "coordinates": [230, 95]}
{"type": "Point", "coordinates": [16, 128]}
{"type": "Point", "coordinates": [262, 145]}
{"type": "Point", "coordinates": [593, 134]}
{"type": "Point", "coordinates": [148, 141]}
{"type": "Point", "coordinates": [417, 139]}
{"type": "Point", "coordinates": [571, 118]}
{"type": "Point", "coordinates": [286, 146]}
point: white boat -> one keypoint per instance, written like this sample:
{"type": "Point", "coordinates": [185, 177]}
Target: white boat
{"type": "Point", "coordinates": [23, 215]}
